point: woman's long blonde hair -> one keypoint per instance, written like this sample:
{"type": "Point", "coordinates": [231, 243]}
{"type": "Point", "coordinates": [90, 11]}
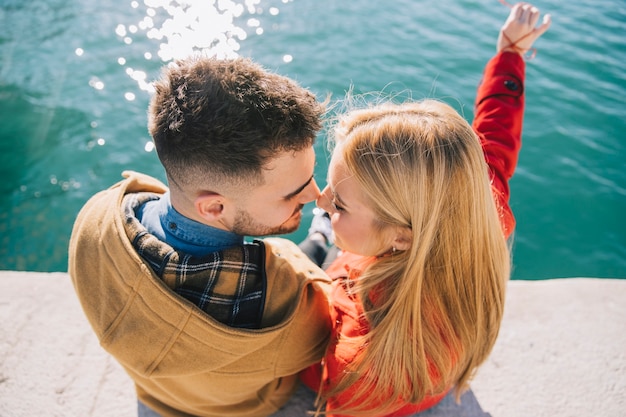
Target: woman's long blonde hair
{"type": "Point", "coordinates": [435, 309]}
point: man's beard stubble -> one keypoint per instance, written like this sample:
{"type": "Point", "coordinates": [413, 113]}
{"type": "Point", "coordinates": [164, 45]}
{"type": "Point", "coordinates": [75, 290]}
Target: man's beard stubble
{"type": "Point", "coordinates": [245, 225]}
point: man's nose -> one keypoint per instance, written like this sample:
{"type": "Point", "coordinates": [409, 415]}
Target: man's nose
{"type": "Point", "coordinates": [310, 193]}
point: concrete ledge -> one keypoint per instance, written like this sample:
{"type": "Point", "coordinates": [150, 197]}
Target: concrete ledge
{"type": "Point", "coordinates": [561, 352]}
{"type": "Point", "coordinates": [50, 361]}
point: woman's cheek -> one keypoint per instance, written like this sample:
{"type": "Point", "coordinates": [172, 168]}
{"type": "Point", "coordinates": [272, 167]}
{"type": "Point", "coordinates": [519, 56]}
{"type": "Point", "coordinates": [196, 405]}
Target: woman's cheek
{"type": "Point", "coordinates": [339, 229]}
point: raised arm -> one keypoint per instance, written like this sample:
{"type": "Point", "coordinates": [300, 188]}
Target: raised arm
{"type": "Point", "coordinates": [499, 106]}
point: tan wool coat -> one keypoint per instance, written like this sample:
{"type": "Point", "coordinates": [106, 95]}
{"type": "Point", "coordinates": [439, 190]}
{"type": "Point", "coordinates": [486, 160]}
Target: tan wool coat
{"type": "Point", "coordinates": [183, 362]}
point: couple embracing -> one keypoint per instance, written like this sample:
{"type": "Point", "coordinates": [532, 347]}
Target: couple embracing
{"type": "Point", "coordinates": [207, 323]}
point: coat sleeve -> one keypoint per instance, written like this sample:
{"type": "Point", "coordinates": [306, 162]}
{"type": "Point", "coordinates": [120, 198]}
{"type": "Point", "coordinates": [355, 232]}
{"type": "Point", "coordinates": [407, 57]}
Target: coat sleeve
{"type": "Point", "coordinates": [499, 113]}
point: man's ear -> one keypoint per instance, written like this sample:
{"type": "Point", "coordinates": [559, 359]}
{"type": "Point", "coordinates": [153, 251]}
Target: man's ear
{"type": "Point", "coordinates": [403, 239]}
{"type": "Point", "coordinates": [209, 206]}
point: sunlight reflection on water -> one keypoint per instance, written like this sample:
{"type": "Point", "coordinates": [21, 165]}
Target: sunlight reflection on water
{"type": "Point", "coordinates": [161, 31]}
{"type": "Point", "coordinates": [187, 27]}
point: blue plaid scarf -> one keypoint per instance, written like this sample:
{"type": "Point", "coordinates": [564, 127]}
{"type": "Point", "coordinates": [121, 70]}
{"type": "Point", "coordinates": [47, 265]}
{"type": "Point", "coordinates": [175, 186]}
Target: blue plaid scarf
{"type": "Point", "coordinates": [228, 285]}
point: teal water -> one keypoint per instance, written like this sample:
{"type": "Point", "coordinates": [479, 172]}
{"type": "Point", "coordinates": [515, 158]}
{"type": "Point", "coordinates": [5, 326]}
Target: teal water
{"type": "Point", "coordinates": [74, 87]}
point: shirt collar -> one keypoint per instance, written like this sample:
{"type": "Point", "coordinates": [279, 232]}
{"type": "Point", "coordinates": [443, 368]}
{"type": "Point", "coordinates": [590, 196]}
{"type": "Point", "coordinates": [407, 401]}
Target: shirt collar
{"type": "Point", "coordinates": [191, 236]}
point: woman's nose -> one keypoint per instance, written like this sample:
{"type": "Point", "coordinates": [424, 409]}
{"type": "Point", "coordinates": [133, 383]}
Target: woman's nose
{"type": "Point", "coordinates": [323, 201]}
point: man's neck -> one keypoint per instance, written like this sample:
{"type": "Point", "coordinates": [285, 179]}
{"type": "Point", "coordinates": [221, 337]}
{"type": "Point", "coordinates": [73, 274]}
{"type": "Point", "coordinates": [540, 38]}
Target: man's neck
{"type": "Point", "coordinates": [183, 232]}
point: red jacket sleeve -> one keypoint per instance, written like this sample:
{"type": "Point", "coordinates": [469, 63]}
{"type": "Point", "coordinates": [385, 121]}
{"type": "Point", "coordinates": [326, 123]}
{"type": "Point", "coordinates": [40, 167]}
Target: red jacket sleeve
{"type": "Point", "coordinates": [499, 112]}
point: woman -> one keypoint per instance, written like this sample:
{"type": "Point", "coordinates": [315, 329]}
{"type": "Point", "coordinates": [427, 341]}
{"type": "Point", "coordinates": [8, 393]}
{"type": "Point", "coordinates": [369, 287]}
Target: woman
{"type": "Point", "coordinates": [419, 206]}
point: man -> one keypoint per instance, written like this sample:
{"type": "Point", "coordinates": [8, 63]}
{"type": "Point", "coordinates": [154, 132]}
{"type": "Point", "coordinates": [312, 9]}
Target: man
{"type": "Point", "coordinates": [203, 322]}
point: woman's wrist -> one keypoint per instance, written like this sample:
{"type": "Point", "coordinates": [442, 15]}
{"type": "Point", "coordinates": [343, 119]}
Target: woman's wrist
{"type": "Point", "coordinates": [512, 49]}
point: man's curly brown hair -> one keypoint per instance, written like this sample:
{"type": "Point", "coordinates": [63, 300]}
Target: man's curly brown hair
{"type": "Point", "coordinates": [220, 120]}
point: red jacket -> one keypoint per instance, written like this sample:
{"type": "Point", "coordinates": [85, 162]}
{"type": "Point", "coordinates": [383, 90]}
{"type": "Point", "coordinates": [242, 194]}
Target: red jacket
{"type": "Point", "coordinates": [498, 123]}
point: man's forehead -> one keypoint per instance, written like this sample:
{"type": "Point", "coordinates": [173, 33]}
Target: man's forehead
{"type": "Point", "coordinates": [290, 171]}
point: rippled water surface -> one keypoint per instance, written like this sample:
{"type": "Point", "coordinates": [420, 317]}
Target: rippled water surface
{"type": "Point", "coordinates": [75, 83]}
